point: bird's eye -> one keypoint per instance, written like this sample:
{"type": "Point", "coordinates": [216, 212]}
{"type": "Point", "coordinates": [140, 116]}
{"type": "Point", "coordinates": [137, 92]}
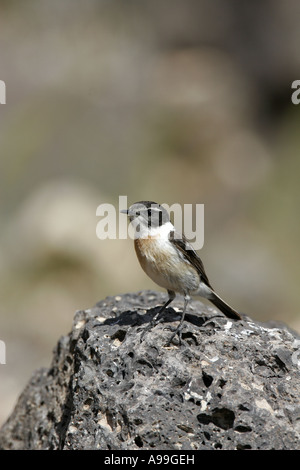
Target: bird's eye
{"type": "Point", "coordinates": [137, 213]}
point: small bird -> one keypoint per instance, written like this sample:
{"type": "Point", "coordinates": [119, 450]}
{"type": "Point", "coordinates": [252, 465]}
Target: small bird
{"type": "Point", "coordinates": [170, 260]}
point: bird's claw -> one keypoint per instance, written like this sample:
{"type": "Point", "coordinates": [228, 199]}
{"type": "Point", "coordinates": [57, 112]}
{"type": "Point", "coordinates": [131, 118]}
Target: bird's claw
{"type": "Point", "coordinates": [151, 325]}
{"type": "Point", "coordinates": [176, 331]}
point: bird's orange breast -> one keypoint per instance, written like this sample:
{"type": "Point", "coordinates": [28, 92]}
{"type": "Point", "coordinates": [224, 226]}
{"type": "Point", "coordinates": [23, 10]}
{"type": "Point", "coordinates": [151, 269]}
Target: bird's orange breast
{"type": "Point", "coordinates": [148, 253]}
{"type": "Point", "coordinates": [160, 261]}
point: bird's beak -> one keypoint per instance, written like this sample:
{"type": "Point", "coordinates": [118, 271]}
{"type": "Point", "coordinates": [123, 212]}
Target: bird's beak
{"type": "Point", "coordinates": [124, 211]}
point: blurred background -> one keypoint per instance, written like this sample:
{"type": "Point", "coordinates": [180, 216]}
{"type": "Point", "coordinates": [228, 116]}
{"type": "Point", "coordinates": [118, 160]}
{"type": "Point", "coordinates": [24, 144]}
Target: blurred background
{"type": "Point", "coordinates": [174, 101]}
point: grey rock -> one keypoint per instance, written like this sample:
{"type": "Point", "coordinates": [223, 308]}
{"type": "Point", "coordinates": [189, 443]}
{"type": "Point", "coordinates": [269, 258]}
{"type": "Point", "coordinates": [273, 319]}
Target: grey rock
{"type": "Point", "coordinates": [230, 385]}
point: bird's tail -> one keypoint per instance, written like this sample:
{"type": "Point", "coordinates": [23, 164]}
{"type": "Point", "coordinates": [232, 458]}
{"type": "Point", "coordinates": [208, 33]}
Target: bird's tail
{"type": "Point", "coordinates": [224, 307]}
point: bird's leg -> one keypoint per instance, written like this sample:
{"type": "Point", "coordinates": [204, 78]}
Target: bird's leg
{"type": "Point", "coordinates": [172, 296]}
{"type": "Point", "coordinates": [179, 327]}
{"type": "Point", "coordinates": [155, 320]}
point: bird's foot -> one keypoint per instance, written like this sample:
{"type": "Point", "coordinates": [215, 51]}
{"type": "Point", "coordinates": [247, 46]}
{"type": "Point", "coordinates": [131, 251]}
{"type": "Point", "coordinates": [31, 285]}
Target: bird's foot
{"type": "Point", "coordinates": [155, 321]}
{"type": "Point", "coordinates": [176, 331]}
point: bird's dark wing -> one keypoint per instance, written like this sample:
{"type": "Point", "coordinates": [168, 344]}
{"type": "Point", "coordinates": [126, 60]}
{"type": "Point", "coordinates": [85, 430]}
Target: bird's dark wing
{"type": "Point", "coordinates": [189, 254]}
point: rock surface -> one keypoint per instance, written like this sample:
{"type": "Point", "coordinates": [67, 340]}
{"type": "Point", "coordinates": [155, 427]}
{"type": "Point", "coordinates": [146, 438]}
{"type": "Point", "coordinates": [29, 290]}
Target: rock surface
{"type": "Point", "coordinates": [230, 385]}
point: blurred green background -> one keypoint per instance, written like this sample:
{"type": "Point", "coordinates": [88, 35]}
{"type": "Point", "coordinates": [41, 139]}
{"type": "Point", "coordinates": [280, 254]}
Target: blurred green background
{"type": "Point", "coordinates": [174, 101]}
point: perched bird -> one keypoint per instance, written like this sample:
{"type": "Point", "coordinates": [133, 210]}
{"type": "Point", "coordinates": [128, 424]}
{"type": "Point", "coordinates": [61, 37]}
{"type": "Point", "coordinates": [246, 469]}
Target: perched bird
{"type": "Point", "coordinates": [169, 260]}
